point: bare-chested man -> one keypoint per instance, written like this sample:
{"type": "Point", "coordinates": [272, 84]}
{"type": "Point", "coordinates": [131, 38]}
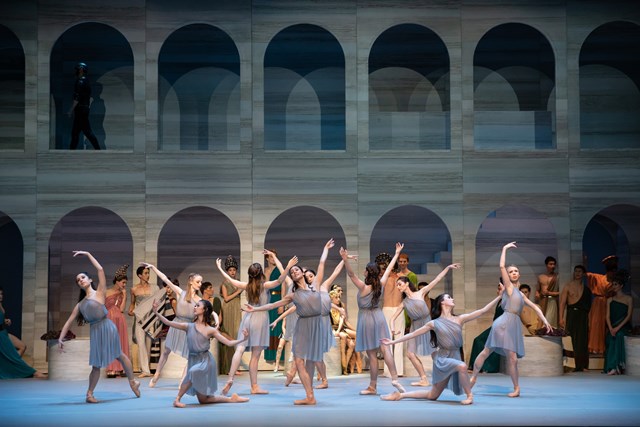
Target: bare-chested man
{"type": "Point", "coordinates": [548, 291]}
{"type": "Point", "coordinates": [139, 293]}
{"type": "Point", "coordinates": [575, 302]}
{"type": "Point", "coordinates": [392, 299]}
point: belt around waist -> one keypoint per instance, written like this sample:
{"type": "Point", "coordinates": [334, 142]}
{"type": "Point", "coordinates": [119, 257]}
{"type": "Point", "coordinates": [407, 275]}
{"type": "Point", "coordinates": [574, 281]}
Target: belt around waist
{"type": "Point", "coordinates": [275, 292]}
{"type": "Point", "coordinates": [198, 353]}
{"type": "Point", "coordinates": [306, 317]}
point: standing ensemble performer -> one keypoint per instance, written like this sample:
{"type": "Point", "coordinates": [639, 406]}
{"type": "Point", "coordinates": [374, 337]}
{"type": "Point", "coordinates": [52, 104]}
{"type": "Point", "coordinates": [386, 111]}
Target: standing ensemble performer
{"type": "Point", "coordinates": [176, 340]}
{"type": "Point", "coordinates": [202, 373]}
{"type": "Point", "coordinates": [506, 337]}
{"type": "Point", "coordinates": [308, 338]}
{"type": "Point", "coordinates": [104, 339]}
{"type": "Point", "coordinates": [231, 312]}
{"type": "Point", "coordinates": [446, 336]}
{"type": "Point", "coordinates": [418, 311]}
{"type": "Point", "coordinates": [115, 300]}
{"type": "Point", "coordinates": [258, 293]}
{"type": "Point", "coordinates": [141, 294]}
{"type": "Point", "coordinates": [372, 326]}
{"type": "Point", "coordinates": [80, 108]}
{"type": "Point", "coordinates": [619, 314]}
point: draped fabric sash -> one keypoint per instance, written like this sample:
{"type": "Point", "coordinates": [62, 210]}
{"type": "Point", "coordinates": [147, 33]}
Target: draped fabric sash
{"type": "Point", "coordinates": [147, 319]}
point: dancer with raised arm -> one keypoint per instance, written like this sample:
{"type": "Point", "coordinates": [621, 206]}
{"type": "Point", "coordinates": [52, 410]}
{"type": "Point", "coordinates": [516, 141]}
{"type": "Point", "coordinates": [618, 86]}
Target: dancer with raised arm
{"type": "Point", "coordinates": [505, 337]}
{"type": "Point", "coordinates": [202, 376]}
{"type": "Point", "coordinates": [418, 311]}
{"type": "Point", "coordinates": [258, 293]}
{"type": "Point", "coordinates": [308, 338]}
{"type": "Point", "coordinates": [176, 340]}
{"type": "Point", "coordinates": [104, 339]}
{"type": "Point", "coordinates": [372, 326]}
{"type": "Point", "coordinates": [449, 370]}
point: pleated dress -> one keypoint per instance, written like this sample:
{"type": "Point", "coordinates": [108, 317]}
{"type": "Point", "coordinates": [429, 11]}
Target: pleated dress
{"type": "Point", "coordinates": [372, 326]}
{"type": "Point", "coordinates": [104, 340]}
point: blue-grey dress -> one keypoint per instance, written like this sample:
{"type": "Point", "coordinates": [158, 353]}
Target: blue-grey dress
{"type": "Point", "coordinates": [104, 344]}
{"type": "Point", "coordinates": [257, 323]}
{"type": "Point", "coordinates": [446, 359]}
{"type": "Point", "coordinates": [292, 319]}
{"type": "Point", "coordinates": [506, 331]}
{"type": "Point", "coordinates": [202, 370]}
{"type": "Point", "coordinates": [325, 322]}
{"type": "Point", "coordinates": [176, 340]}
{"type": "Point", "coordinates": [308, 339]}
{"type": "Point", "coordinates": [418, 312]}
{"type": "Point", "coordinates": [372, 326]}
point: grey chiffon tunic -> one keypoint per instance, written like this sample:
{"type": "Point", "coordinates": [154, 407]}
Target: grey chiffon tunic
{"type": "Point", "coordinates": [202, 370]}
{"type": "Point", "coordinates": [176, 340]}
{"type": "Point", "coordinates": [257, 323]}
{"type": "Point", "coordinates": [506, 331]}
{"type": "Point", "coordinates": [327, 330]}
{"type": "Point", "coordinates": [372, 326]}
{"type": "Point", "coordinates": [104, 340]}
{"type": "Point", "coordinates": [446, 359]}
{"type": "Point", "coordinates": [309, 340]}
{"type": "Point", "coordinates": [418, 312]}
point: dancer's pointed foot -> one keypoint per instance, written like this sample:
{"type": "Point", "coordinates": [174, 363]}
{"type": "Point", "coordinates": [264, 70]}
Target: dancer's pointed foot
{"type": "Point", "coordinates": [237, 399]}
{"type": "Point", "coordinates": [472, 381]}
{"type": "Point", "coordinates": [398, 386]}
{"type": "Point", "coordinates": [227, 387]}
{"type": "Point", "coordinates": [324, 384]}
{"type": "Point", "coordinates": [144, 375]}
{"type": "Point", "coordinates": [153, 381]}
{"type": "Point", "coordinates": [257, 390]}
{"type": "Point", "coordinates": [369, 391]}
{"type": "Point", "coordinates": [90, 398]}
{"type": "Point", "coordinates": [178, 404]}
{"type": "Point", "coordinates": [515, 392]}
{"type": "Point", "coordinates": [468, 400]}
{"type": "Point", "coordinates": [424, 382]}
{"type": "Point", "coordinates": [309, 400]}
{"type": "Point", "coordinates": [288, 380]}
{"type": "Point", "coordinates": [135, 387]}
{"type": "Point", "coordinates": [393, 396]}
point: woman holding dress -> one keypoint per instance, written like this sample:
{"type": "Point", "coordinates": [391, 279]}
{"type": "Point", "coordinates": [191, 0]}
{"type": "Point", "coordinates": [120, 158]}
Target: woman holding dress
{"type": "Point", "coordinates": [449, 370]}
{"type": "Point", "coordinates": [505, 337]}
{"type": "Point", "coordinates": [413, 301]}
{"type": "Point", "coordinates": [202, 376]}
{"type": "Point", "coordinates": [258, 293]}
{"type": "Point", "coordinates": [115, 301]}
{"type": "Point", "coordinates": [372, 326]}
{"type": "Point", "coordinates": [176, 340]}
{"type": "Point", "coordinates": [104, 338]}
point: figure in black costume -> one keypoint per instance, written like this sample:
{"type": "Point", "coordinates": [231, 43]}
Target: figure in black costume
{"type": "Point", "coordinates": [80, 108]}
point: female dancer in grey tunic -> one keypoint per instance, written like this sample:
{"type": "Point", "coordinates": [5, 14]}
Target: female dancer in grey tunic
{"type": "Point", "coordinates": [176, 340]}
{"type": "Point", "coordinates": [257, 324]}
{"type": "Point", "coordinates": [413, 301]}
{"type": "Point", "coordinates": [506, 332]}
{"type": "Point", "coordinates": [446, 336]}
{"type": "Point", "coordinates": [372, 326]}
{"type": "Point", "coordinates": [202, 372]}
{"type": "Point", "coordinates": [104, 339]}
{"type": "Point", "coordinates": [308, 342]}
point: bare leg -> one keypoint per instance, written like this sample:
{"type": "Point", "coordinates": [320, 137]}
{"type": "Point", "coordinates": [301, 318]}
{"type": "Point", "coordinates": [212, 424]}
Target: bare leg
{"type": "Point", "coordinates": [128, 369]}
{"type": "Point", "coordinates": [415, 361]}
{"type": "Point", "coordinates": [463, 378]}
{"type": "Point", "coordinates": [373, 373]}
{"type": "Point", "coordinates": [431, 394]}
{"type": "Point", "coordinates": [161, 363]}
{"type": "Point", "coordinates": [477, 365]}
{"type": "Point", "coordinates": [293, 369]}
{"type": "Point", "coordinates": [183, 389]}
{"type": "Point", "coordinates": [94, 376]}
{"type": "Point", "coordinates": [350, 346]}
{"type": "Point", "coordinates": [279, 353]}
{"type": "Point", "coordinates": [343, 354]}
{"type": "Point", "coordinates": [322, 370]}
{"type": "Point", "coordinates": [306, 382]}
{"type": "Point", "coordinates": [512, 369]}
{"type": "Point", "coordinates": [253, 371]}
{"type": "Point", "coordinates": [235, 363]}
{"type": "Point", "coordinates": [204, 399]}
{"type": "Point", "coordinates": [18, 344]}
{"type": "Point", "coordinates": [391, 365]}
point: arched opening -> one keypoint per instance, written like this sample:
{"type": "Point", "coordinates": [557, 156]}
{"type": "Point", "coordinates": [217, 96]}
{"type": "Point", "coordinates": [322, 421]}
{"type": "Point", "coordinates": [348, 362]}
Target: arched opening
{"type": "Point", "coordinates": [12, 87]}
{"type": "Point", "coordinates": [11, 265]}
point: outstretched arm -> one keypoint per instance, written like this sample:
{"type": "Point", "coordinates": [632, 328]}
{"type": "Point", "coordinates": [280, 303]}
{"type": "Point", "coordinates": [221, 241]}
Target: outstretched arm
{"type": "Point", "coordinates": [176, 289]}
{"type": "Point", "coordinates": [214, 332]}
{"type": "Point", "coordinates": [67, 325]}
{"type": "Point", "coordinates": [503, 269]}
{"type": "Point", "coordinates": [234, 282]}
{"type": "Point", "coordinates": [228, 297]}
{"type": "Point", "coordinates": [385, 276]}
{"type": "Point", "coordinates": [102, 280]}
{"type": "Point", "coordinates": [475, 314]}
{"type": "Point", "coordinates": [320, 271]}
{"type": "Point", "coordinates": [438, 278]}
{"type": "Point", "coordinates": [562, 306]}
{"type": "Point", "coordinates": [283, 274]}
{"type": "Point", "coordinates": [356, 281]}
{"type": "Point", "coordinates": [177, 325]}
{"type": "Point", "coordinates": [536, 308]}
{"type": "Point", "coordinates": [282, 316]}
{"type": "Point", "coordinates": [279, 266]}
{"type": "Point", "coordinates": [422, 330]}
{"type": "Point", "coordinates": [284, 301]}
{"type": "Point", "coordinates": [392, 321]}
{"type": "Point", "coordinates": [327, 283]}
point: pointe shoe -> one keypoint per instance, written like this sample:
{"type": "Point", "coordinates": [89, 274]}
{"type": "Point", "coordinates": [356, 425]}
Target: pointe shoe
{"type": "Point", "coordinates": [227, 387]}
{"type": "Point", "coordinates": [468, 400]}
{"type": "Point", "coordinates": [369, 391]}
{"type": "Point", "coordinates": [472, 381]}
{"type": "Point", "coordinates": [398, 386]}
{"type": "Point", "coordinates": [153, 381]}
{"type": "Point", "coordinates": [135, 387]}
{"type": "Point", "coordinates": [392, 396]}
{"type": "Point", "coordinates": [90, 398]}
{"type": "Point", "coordinates": [144, 375]}
{"type": "Point", "coordinates": [275, 369]}
{"type": "Point", "coordinates": [288, 380]}
{"type": "Point", "coordinates": [424, 382]}
{"type": "Point", "coordinates": [515, 392]}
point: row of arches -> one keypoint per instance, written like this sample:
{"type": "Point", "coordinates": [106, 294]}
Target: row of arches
{"type": "Point", "coordinates": [193, 238]}
{"type": "Point", "coordinates": [199, 108]}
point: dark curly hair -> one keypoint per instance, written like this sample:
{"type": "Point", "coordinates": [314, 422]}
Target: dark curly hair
{"type": "Point", "coordinates": [373, 280]}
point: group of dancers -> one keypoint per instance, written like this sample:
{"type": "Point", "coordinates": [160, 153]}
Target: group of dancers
{"type": "Point", "coordinates": [312, 336]}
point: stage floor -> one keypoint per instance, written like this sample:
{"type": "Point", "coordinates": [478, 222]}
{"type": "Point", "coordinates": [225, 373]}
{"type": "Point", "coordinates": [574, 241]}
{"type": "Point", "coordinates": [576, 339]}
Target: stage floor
{"type": "Point", "coordinates": [577, 399]}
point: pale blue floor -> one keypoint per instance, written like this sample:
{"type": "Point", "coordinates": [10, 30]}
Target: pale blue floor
{"type": "Point", "coordinates": [577, 399]}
